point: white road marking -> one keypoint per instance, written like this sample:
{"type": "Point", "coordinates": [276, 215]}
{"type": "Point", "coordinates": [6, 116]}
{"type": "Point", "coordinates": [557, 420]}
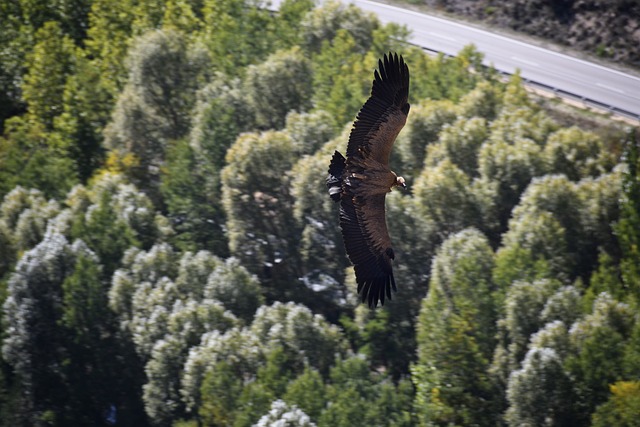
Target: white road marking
{"type": "Point", "coordinates": [615, 89]}
{"type": "Point", "coordinates": [442, 36]}
{"type": "Point", "coordinates": [525, 61]}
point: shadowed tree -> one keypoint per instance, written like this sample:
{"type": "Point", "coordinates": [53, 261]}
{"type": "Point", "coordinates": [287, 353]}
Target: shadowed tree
{"type": "Point", "coordinates": [538, 393]}
{"type": "Point", "coordinates": [59, 340]}
{"type": "Point", "coordinates": [191, 178]}
{"type": "Point", "coordinates": [258, 205]}
{"type": "Point", "coordinates": [506, 169]}
{"type": "Point", "coordinates": [155, 105]}
{"type": "Point", "coordinates": [598, 353]}
{"type": "Point", "coordinates": [523, 307]}
{"type": "Point", "coordinates": [628, 229]}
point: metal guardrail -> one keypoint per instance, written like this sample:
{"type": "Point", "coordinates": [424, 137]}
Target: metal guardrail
{"type": "Point", "coordinates": [558, 91]}
{"type": "Point", "coordinates": [585, 100]}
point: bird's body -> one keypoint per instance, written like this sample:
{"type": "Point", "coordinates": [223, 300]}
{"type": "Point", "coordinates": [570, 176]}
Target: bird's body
{"type": "Point", "coordinates": [361, 181]}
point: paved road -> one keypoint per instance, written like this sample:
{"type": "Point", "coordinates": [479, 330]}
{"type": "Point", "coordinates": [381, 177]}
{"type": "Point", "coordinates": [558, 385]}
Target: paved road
{"type": "Point", "coordinates": [582, 78]}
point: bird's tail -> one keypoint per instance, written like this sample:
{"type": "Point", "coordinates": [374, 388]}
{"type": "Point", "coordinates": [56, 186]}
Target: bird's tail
{"type": "Point", "coordinates": [334, 180]}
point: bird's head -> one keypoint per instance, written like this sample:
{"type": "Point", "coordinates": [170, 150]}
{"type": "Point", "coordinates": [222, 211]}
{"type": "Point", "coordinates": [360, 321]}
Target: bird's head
{"type": "Point", "coordinates": [400, 182]}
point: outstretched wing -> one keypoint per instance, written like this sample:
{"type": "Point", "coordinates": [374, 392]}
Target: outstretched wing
{"type": "Point", "coordinates": [384, 114]}
{"type": "Point", "coordinates": [368, 246]}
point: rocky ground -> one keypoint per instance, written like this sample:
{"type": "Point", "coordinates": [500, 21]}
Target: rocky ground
{"type": "Point", "coordinates": [609, 29]}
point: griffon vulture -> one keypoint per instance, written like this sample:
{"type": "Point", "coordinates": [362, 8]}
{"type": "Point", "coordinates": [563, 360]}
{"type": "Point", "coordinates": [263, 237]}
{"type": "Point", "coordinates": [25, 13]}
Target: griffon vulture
{"type": "Point", "coordinates": [361, 181]}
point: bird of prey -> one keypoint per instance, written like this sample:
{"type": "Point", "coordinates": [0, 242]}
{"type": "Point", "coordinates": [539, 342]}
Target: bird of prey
{"type": "Point", "coordinates": [361, 181]}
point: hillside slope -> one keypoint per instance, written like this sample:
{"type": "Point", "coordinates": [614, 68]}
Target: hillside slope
{"type": "Point", "coordinates": [608, 29]}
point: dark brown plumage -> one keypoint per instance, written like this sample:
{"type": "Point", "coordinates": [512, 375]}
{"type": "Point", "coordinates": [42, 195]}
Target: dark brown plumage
{"type": "Point", "coordinates": [361, 181]}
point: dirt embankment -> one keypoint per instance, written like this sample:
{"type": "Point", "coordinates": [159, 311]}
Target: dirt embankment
{"type": "Point", "coordinates": [607, 28]}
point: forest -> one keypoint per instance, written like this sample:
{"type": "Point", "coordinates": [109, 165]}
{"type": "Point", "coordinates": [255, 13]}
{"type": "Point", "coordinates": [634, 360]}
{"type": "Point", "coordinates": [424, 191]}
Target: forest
{"type": "Point", "coordinates": [169, 255]}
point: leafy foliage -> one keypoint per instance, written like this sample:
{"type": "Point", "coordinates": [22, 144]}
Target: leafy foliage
{"type": "Point", "coordinates": [164, 218]}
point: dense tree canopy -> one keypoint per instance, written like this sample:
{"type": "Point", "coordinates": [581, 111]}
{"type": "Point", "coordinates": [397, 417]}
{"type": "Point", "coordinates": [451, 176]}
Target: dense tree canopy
{"type": "Point", "coordinates": [169, 255]}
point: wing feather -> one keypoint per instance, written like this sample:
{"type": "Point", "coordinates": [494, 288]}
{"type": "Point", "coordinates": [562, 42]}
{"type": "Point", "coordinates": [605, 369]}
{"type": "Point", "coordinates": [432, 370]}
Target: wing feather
{"type": "Point", "coordinates": [368, 246]}
{"type": "Point", "coordinates": [384, 114]}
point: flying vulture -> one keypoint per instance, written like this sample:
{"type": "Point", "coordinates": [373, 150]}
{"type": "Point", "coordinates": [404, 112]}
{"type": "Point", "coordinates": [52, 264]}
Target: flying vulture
{"type": "Point", "coordinates": [361, 181]}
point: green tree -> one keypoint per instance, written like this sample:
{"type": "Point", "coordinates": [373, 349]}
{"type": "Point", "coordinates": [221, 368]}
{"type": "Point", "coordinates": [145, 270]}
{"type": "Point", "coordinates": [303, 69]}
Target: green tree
{"type": "Point", "coordinates": [114, 216]}
{"type": "Point", "coordinates": [621, 408]}
{"type": "Point", "coordinates": [86, 109]}
{"type": "Point", "coordinates": [258, 206]}
{"type": "Point", "coordinates": [627, 229]}
{"type": "Point", "coordinates": [461, 141]}
{"type": "Point", "coordinates": [359, 397]}
{"type": "Point", "coordinates": [485, 101]}
{"type": "Point", "coordinates": [28, 159]}
{"type": "Point", "coordinates": [286, 416]}
{"type": "Point", "coordinates": [323, 24]}
{"type": "Point", "coordinates": [289, 21]}
{"type": "Point", "coordinates": [108, 40]}
{"type": "Point", "coordinates": [54, 343]}
{"type": "Point", "coordinates": [539, 393]}
{"type": "Point", "coordinates": [155, 105]}
{"type": "Point", "coordinates": [576, 153]}
{"type": "Point", "coordinates": [307, 392]}
{"type": "Point", "coordinates": [455, 334]}
{"type": "Point", "coordinates": [300, 333]}
{"type": "Point", "coordinates": [48, 67]}
{"type": "Point", "coordinates": [237, 290]}
{"type": "Point", "coordinates": [422, 129]}
{"type": "Point", "coordinates": [551, 204]}
{"type": "Point", "coordinates": [522, 317]}
{"type": "Point", "coordinates": [95, 350]}
{"type": "Point", "coordinates": [341, 76]}
{"type": "Point", "coordinates": [191, 183]}
{"type": "Point", "coordinates": [597, 360]}
{"type": "Point", "coordinates": [26, 214]}
{"type": "Point", "coordinates": [184, 327]}
{"type": "Point", "coordinates": [321, 248]}
{"type": "Point", "coordinates": [215, 372]}
{"type": "Point", "coordinates": [506, 170]}
{"type": "Point", "coordinates": [277, 86]}
{"type": "Point", "coordinates": [310, 131]}
{"type": "Point", "coordinates": [237, 33]}
{"type": "Point", "coordinates": [443, 195]}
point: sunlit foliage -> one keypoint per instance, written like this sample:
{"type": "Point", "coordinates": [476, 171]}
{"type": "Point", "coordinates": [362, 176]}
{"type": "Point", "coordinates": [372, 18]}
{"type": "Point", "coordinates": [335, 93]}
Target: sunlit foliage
{"type": "Point", "coordinates": [169, 255]}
